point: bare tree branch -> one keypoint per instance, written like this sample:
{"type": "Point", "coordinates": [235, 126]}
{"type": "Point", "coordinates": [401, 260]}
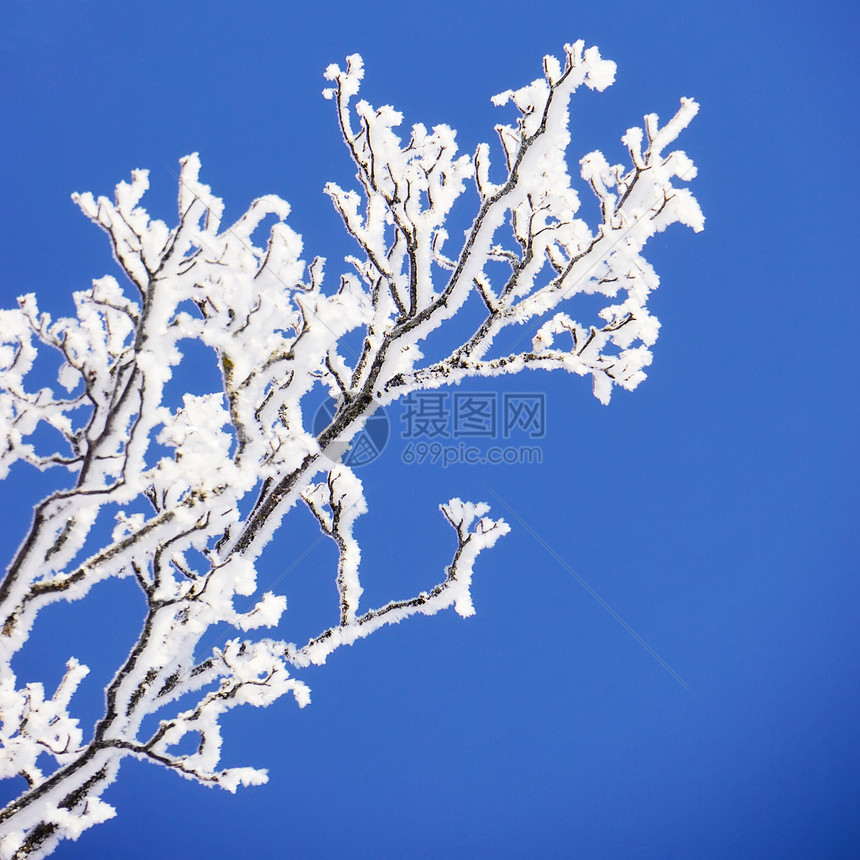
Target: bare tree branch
{"type": "Point", "coordinates": [184, 496]}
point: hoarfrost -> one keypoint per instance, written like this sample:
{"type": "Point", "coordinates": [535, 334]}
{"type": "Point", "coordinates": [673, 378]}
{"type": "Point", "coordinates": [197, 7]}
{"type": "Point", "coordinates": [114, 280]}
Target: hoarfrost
{"type": "Point", "coordinates": [218, 473]}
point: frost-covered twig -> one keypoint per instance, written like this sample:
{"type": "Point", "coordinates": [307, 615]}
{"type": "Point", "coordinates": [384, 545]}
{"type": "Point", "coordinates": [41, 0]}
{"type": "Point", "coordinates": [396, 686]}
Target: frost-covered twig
{"type": "Point", "coordinates": [181, 498]}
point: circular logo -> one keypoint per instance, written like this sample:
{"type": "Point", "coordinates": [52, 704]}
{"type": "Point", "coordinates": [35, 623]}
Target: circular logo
{"type": "Point", "coordinates": [365, 446]}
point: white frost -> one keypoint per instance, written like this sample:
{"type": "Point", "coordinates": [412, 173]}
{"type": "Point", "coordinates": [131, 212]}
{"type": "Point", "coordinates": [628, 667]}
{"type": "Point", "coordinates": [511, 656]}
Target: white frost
{"type": "Point", "coordinates": [195, 490]}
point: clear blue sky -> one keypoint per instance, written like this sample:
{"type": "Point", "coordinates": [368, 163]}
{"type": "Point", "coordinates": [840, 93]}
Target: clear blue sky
{"type": "Point", "coordinates": [712, 508]}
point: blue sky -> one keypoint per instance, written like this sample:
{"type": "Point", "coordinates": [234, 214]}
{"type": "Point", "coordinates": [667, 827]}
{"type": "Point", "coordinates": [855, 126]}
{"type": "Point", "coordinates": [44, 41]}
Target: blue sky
{"type": "Point", "coordinates": [711, 509]}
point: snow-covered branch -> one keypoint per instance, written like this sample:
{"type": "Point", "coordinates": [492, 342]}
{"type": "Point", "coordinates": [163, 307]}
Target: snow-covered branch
{"type": "Point", "coordinates": [181, 496]}
{"type": "Point", "coordinates": [453, 591]}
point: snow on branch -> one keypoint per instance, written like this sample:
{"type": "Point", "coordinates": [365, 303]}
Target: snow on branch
{"type": "Point", "coordinates": [181, 496]}
{"type": "Point", "coordinates": [453, 591]}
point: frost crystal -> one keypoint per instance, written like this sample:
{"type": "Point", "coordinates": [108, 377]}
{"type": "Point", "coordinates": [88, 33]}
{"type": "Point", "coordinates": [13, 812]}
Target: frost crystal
{"type": "Point", "coordinates": [193, 491]}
